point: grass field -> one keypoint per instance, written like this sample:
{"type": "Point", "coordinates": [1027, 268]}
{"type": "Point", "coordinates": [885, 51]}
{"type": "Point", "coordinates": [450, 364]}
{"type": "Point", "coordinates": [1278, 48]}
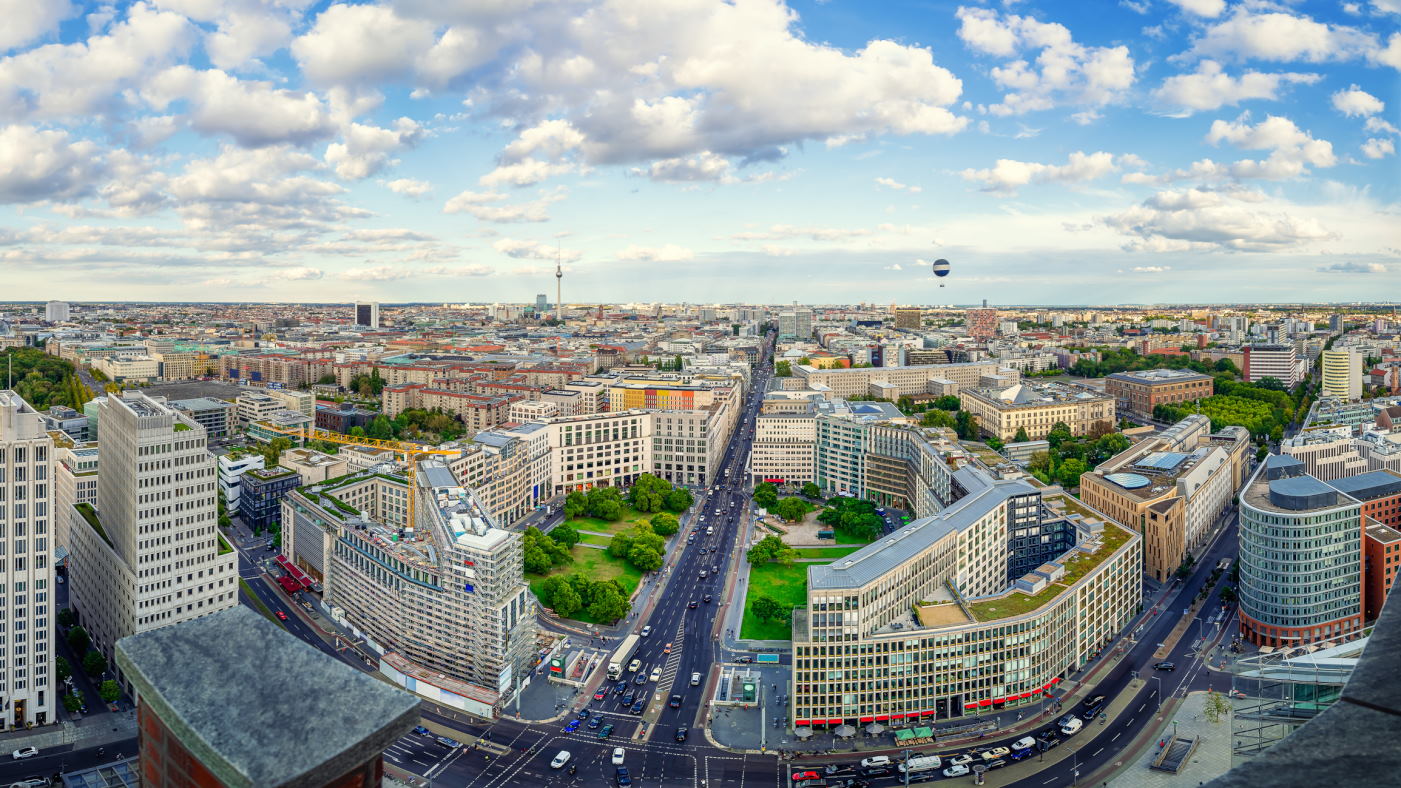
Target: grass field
{"type": "Point", "coordinates": [630, 516]}
{"type": "Point", "coordinates": [843, 537]}
{"type": "Point", "coordinates": [595, 539]}
{"type": "Point", "coordinates": [826, 552]}
{"type": "Point", "coordinates": [787, 584]}
{"type": "Point", "coordinates": [595, 565]}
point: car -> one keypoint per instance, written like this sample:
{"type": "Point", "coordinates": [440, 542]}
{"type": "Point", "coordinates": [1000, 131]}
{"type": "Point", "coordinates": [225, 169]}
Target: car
{"type": "Point", "coordinates": [451, 744]}
{"type": "Point", "coordinates": [705, 598]}
{"type": "Point", "coordinates": [838, 768]}
{"type": "Point", "coordinates": [704, 574]}
{"type": "Point", "coordinates": [875, 760]}
{"type": "Point", "coordinates": [667, 649]}
{"type": "Point", "coordinates": [656, 674]}
{"type": "Point", "coordinates": [1164, 666]}
{"type": "Point", "coordinates": [620, 688]}
{"type": "Point", "coordinates": [1017, 755]}
{"type": "Point", "coordinates": [601, 694]}
{"type": "Point", "coordinates": [996, 763]}
{"type": "Point", "coordinates": [622, 776]}
{"type": "Point", "coordinates": [560, 760]}
{"type": "Point", "coordinates": [691, 605]}
{"type": "Point", "coordinates": [583, 714]}
{"type": "Point", "coordinates": [629, 698]}
{"type": "Point", "coordinates": [422, 731]}
{"type": "Point", "coordinates": [594, 722]}
{"type": "Point", "coordinates": [606, 731]}
{"type": "Point", "coordinates": [818, 783]}
{"type": "Point", "coordinates": [639, 706]}
{"type": "Point", "coordinates": [744, 660]}
{"type": "Point", "coordinates": [702, 551]}
{"type": "Point", "coordinates": [647, 631]}
{"type": "Point", "coordinates": [681, 733]}
{"type": "Point", "coordinates": [995, 753]}
{"type": "Point", "coordinates": [1048, 743]}
{"type": "Point", "coordinates": [695, 679]}
{"type": "Point", "coordinates": [572, 726]}
{"type": "Point", "coordinates": [675, 702]}
{"type": "Point", "coordinates": [31, 782]}
{"type": "Point", "coordinates": [1072, 727]}
{"type": "Point", "coordinates": [640, 678]}
{"type": "Point", "coordinates": [807, 775]}
{"type": "Point", "coordinates": [957, 770]}
{"type": "Point", "coordinates": [24, 752]}
{"type": "Point", "coordinates": [618, 754]}
{"type": "Point", "coordinates": [1024, 743]}
{"type": "Point", "coordinates": [281, 616]}
{"type": "Point", "coordinates": [962, 760]}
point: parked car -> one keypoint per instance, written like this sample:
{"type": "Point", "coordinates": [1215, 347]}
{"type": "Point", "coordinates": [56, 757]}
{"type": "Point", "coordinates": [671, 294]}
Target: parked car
{"type": "Point", "coordinates": [1164, 666]}
{"type": "Point", "coordinates": [24, 752]}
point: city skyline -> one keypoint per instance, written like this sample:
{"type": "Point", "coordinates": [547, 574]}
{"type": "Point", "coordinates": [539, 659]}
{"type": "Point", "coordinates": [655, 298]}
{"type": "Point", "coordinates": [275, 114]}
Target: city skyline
{"type": "Point", "coordinates": [276, 152]}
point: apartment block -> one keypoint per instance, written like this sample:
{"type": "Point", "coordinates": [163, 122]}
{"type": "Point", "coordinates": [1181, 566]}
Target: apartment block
{"type": "Point", "coordinates": [980, 324]}
{"type": "Point", "coordinates": [1037, 408]}
{"type": "Point", "coordinates": [216, 416]}
{"type": "Point", "coordinates": [508, 469]}
{"type": "Point", "coordinates": [1140, 392]}
{"type": "Point", "coordinates": [906, 381]}
{"type": "Point", "coordinates": [908, 316]}
{"type": "Point", "coordinates": [1280, 362]}
{"type": "Point", "coordinates": [795, 324]}
{"type": "Point", "coordinates": [1342, 374]}
{"type": "Point", "coordinates": [26, 573]}
{"type": "Point", "coordinates": [1333, 453]}
{"type": "Point", "coordinates": [148, 554]}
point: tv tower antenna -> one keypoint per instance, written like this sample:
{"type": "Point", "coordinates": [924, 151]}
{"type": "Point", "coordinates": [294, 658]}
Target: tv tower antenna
{"type": "Point", "coordinates": [559, 278]}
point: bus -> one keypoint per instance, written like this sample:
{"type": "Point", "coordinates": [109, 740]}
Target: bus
{"type": "Point", "coordinates": [621, 657]}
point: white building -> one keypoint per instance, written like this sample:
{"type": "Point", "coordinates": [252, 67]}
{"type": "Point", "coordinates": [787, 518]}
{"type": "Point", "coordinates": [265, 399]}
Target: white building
{"type": "Point", "coordinates": [783, 449]}
{"type": "Point", "coordinates": [26, 574]}
{"type": "Point", "coordinates": [75, 481]}
{"type": "Point", "coordinates": [56, 312]}
{"type": "Point", "coordinates": [149, 554]}
{"type": "Point", "coordinates": [231, 469]}
{"type": "Point", "coordinates": [1280, 362]}
{"type": "Point", "coordinates": [367, 314]}
{"type": "Point", "coordinates": [1342, 373]}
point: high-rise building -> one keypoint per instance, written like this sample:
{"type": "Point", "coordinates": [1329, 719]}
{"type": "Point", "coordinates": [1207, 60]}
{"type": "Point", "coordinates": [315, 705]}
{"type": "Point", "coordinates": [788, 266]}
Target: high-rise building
{"type": "Point", "coordinates": [1280, 362]}
{"type": "Point", "coordinates": [981, 324]}
{"type": "Point", "coordinates": [367, 314]}
{"type": "Point", "coordinates": [795, 324]}
{"type": "Point", "coordinates": [542, 305]}
{"type": "Point", "coordinates": [1335, 321]}
{"type": "Point", "coordinates": [149, 554]}
{"type": "Point", "coordinates": [26, 574]}
{"type": "Point", "coordinates": [56, 312]}
{"type": "Point", "coordinates": [1342, 373]}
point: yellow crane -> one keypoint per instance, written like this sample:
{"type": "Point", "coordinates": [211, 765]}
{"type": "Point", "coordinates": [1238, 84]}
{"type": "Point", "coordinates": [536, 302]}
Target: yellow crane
{"type": "Point", "coordinates": [412, 452]}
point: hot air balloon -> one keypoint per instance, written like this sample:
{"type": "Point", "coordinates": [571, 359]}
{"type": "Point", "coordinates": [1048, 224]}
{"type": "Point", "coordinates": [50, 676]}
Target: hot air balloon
{"type": "Point", "coordinates": [941, 269]}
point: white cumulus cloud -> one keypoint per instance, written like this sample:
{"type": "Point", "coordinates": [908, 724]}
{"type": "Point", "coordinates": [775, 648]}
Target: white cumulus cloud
{"type": "Point", "coordinates": [1356, 102]}
{"type": "Point", "coordinates": [1293, 150]}
{"type": "Point", "coordinates": [1007, 175]}
{"type": "Point", "coordinates": [1378, 148]}
{"type": "Point", "coordinates": [666, 253]}
{"type": "Point", "coordinates": [1209, 87]}
{"type": "Point", "coordinates": [891, 183]}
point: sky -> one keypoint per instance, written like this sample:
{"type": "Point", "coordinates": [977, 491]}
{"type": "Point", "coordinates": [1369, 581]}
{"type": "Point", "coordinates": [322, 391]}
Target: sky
{"type": "Point", "coordinates": [1143, 151]}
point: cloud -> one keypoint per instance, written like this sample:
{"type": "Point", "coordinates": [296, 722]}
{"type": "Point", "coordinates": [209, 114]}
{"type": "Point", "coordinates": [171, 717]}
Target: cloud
{"type": "Point", "coordinates": [365, 150]}
{"type": "Point", "coordinates": [1356, 102]}
{"type": "Point", "coordinates": [704, 166]}
{"type": "Point", "coordinates": [1007, 175]}
{"type": "Point", "coordinates": [389, 273]}
{"type": "Point", "coordinates": [1064, 72]}
{"type": "Point", "coordinates": [1207, 8]}
{"type": "Point", "coordinates": [253, 113]}
{"type": "Point", "coordinates": [1352, 268]}
{"type": "Point", "coordinates": [1210, 88]}
{"type": "Point", "coordinates": [667, 253]}
{"type": "Point", "coordinates": [26, 21]}
{"type": "Point", "coordinates": [46, 165]}
{"type": "Point", "coordinates": [893, 267]}
{"type": "Point", "coordinates": [1281, 37]}
{"type": "Point", "coordinates": [409, 187]}
{"type": "Point", "coordinates": [245, 29]}
{"type": "Point", "coordinates": [361, 44]}
{"type": "Point", "coordinates": [1151, 269]}
{"type": "Point", "coordinates": [1377, 148]}
{"type": "Point", "coordinates": [773, 250]}
{"type": "Point", "coordinates": [487, 207]}
{"type": "Point", "coordinates": [785, 231]}
{"type": "Point", "coordinates": [535, 250]}
{"type": "Point", "coordinates": [1292, 149]}
{"type": "Point", "coordinates": [891, 183]}
{"type": "Point", "coordinates": [1377, 125]}
{"type": "Point", "coordinates": [1205, 220]}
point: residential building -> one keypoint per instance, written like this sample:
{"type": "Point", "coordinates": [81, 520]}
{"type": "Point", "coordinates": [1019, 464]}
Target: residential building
{"type": "Point", "coordinates": [314, 466]}
{"type": "Point", "coordinates": [988, 603]}
{"type": "Point", "coordinates": [1036, 408]}
{"type": "Point", "coordinates": [795, 324]}
{"type": "Point", "coordinates": [27, 572]}
{"type": "Point", "coordinates": [149, 554]}
{"type": "Point", "coordinates": [908, 316]}
{"type": "Point", "coordinates": [1140, 392]}
{"type": "Point", "coordinates": [784, 447]}
{"type": "Point", "coordinates": [980, 324]}
{"type": "Point", "coordinates": [599, 449]}
{"type": "Point", "coordinates": [216, 416]}
{"type": "Point", "coordinates": [231, 468]}
{"type": "Point", "coordinates": [1171, 491]}
{"type": "Point", "coordinates": [75, 481]}
{"type": "Point", "coordinates": [56, 312]}
{"type": "Point", "coordinates": [443, 600]}
{"type": "Point", "coordinates": [905, 381]}
{"type": "Point", "coordinates": [367, 314]}
{"type": "Point", "coordinates": [187, 740]}
{"type": "Point", "coordinates": [1280, 362]}
{"type": "Point", "coordinates": [260, 502]}
{"type": "Point", "coordinates": [1342, 374]}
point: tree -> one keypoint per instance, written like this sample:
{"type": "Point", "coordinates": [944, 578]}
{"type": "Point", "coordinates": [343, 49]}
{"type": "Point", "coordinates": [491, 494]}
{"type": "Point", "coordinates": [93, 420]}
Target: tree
{"type": "Point", "coordinates": [783, 369]}
{"type": "Point", "coordinates": [766, 608]}
{"type": "Point", "coordinates": [565, 535]}
{"type": "Point", "coordinates": [764, 550]}
{"type": "Point", "coordinates": [72, 703]}
{"type": "Point", "coordinates": [326, 380]}
{"type": "Point", "coordinates": [645, 558]}
{"type": "Point", "coordinates": [1021, 436]}
{"type": "Point", "coordinates": [272, 450]}
{"type": "Point", "coordinates": [608, 603]}
{"type": "Point", "coordinates": [379, 428]}
{"type": "Point", "coordinates": [62, 669]}
{"type": "Point", "coordinates": [947, 402]}
{"type": "Point", "coordinates": [766, 495]}
{"type": "Point", "coordinates": [811, 490]}
{"type": "Point", "coordinates": [1070, 471]}
{"type": "Point", "coordinates": [1272, 384]}
{"type": "Point", "coordinates": [575, 504]}
{"type": "Point", "coordinates": [1060, 433]}
{"type": "Point", "coordinates": [792, 509]}
{"type": "Point", "coordinates": [66, 618]}
{"type": "Point", "coordinates": [664, 524]}
{"type": "Point", "coordinates": [566, 601]}
{"type": "Point", "coordinates": [937, 418]}
{"type": "Point", "coordinates": [357, 432]}
{"type": "Point", "coordinates": [109, 691]}
{"type": "Point", "coordinates": [1226, 365]}
{"type": "Point", "coordinates": [966, 425]}
{"type": "Point", "coordinates": [648, 493]}
{"type": "Point", "coordinates": [679, 500]}
{"type": "Point", "coordinates": [79, 640]}
{"type": "Point", "coordinates": [1216, 707]}
{"type": "Point", "coordinates": [995, 443]}
{"type": "Point", "coordinates": [94, 663]}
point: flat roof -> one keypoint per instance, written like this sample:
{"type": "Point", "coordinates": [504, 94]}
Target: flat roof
{"type": "Point", "coordinates": [241, 734]}
{"type": "Point", "coordinates": [1370, 486]}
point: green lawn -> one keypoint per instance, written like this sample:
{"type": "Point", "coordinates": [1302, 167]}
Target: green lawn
{"type": "Point", "coordinates": [595, 539]}
{"type": "Point", "coordinates": [595, 565]}
{"type": "Point", "coordinates": [826, 552]}
{"type": "Point", "coordinates": [787, 584]}
{"type": "Point", "coordinates": [845, 538]}
{"type": "Point", "coordinates": [630, 516]}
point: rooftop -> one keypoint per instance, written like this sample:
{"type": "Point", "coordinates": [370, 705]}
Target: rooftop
{"type": "Point", "coordinates": [1031, 395]}
{"type": "Point", "coordinates": [241, 734]}
{"type": "Point", "coordinates": [1160, 376]}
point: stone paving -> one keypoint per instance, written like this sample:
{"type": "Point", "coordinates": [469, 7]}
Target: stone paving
{"type": "Point", "coordinates": [1211, 758]}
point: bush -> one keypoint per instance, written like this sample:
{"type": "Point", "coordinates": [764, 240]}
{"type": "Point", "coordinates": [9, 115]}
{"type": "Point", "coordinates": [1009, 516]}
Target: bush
{"type": "Point", "coordinates": [109, 691]}
{"type": "Point", "coordinates": [72, 703]}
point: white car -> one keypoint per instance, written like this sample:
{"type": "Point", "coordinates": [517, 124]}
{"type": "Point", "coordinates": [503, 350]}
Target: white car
{"type": "Point", "coordinates": [24, 752]}
{"type": "Point", "coordinates": [646, 631]}
{"type": "Point", "coordinates": [995, 753]}
{"type": "Point", "coordinates": [957, 770]}
{"type": "Point", "coordinates": [617, 756]}
{"type": "Point", "coordinates": [656, 673]}
{"type": "Point", "coordinates": [560, 760]}
{"type": "Point", "coordinates": [961, 760]}
{"type": "Point", "coordinates": [874, 761]}
{"type": "Point", "coordinates": [695, 679]}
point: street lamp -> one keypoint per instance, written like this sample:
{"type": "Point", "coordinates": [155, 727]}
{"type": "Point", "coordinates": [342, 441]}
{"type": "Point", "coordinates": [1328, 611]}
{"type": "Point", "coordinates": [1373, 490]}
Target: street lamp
{"type": "Point", "coordinates": [1159, 679]}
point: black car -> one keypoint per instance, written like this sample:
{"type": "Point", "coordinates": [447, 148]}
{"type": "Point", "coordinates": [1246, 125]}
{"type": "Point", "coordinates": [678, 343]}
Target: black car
{"type": "Point", "coordinates": [606, 732]}
{"type": "Point", "coordinates": [996, 763]}
{"type": "Point", "coordinates": [705, 598]}
{"type": "Point", "coordinates": [675, 702]}
{"type": "Point", "coordinates": [878, 771]}
{"type": "Point", "coordinates": [639, 706]}
{"type": "Point", "coordinates": [620, 688]}
{"type": "Point", "coordinates": [1164, 666]}
{"type": "Point", "coordinates": [640, 678]}
{"type": "Point", "coordinates": [1048, 743]}
{"type": "Point", "coordinates": [583, 714]}
{"type": "Point", "coordinates": [622, 776]}
{"type": "Point", "coordinates": [681, 733]}
{"type": "Point", "coordinates": [595, 721]}
{"type": "Point", "coordinates": [692, 605]}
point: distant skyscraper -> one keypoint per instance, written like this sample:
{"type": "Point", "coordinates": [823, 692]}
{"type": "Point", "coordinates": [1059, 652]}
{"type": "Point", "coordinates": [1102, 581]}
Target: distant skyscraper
{"type": "Point", "coordinates": [1335, 321]}
{"type": "Point", "coordinates": [367, 314]}
{"type": "Point", "coordinates": [1342, 373]}
{"type": "Point", "coordinates": [149, 555]}
{"type": "Point", "coordinates": [542, 304]}
{"type": "Point", "coordinates": [56, 312]}
{"type": "Point", "coordinates": [26, 575]}
{"type": "Point", "coordinates": [795, 324]}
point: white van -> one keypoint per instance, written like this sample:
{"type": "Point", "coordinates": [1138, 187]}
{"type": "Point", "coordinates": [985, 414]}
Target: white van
{"type": "Point", "coordinates": [560, 760]}
{"type": "Point", "coordinates": [1024, 743]}
{"type": "Point", "coordinates": [924, 763]}
{"type": "Point", "coordinates": [1071, 726]}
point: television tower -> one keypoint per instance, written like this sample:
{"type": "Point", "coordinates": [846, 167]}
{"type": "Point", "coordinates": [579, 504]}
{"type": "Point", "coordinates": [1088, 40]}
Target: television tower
{"type": "Point", "coordinates": [559, 278]}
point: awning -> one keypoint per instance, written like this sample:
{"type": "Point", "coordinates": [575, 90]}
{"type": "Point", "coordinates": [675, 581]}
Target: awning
{"type": "Point", "coordinates": [924, 733]}
{"type": "Point", "coordinates": [875, 728]}
{"type": "Point", "coordinates": [904, 734]}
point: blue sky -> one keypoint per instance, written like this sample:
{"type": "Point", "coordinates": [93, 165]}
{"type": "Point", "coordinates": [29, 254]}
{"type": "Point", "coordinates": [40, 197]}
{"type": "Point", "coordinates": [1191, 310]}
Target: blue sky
{"type": "Point", "coordinates": [429, 150]}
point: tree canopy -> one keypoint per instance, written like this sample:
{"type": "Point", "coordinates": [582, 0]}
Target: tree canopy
{"type": "Point", "coordinates": [44, 380]}
{"type": "Point", "coordinates": [853, 517]}
{"type": "Point", "coordinates": [771, 548]}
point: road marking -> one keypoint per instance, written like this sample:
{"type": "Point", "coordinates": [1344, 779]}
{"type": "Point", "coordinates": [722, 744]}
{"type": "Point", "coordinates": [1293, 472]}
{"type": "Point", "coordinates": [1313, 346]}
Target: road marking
{"type": "Point", "coordinates": [1145, 703]}
{"type": "Point", "coordinates": [1116, 737]}
{"type": "Point", "coordinates": [1097, 752]}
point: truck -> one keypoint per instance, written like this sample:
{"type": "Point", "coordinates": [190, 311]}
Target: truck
{"type": "Point", "coordinates": [621, 657]}
{"type": "Point", "coordinates": [924, 763]}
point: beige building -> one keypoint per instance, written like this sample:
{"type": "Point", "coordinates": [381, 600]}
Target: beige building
{"type": "Point", "coordinates": [907, 381]}
{"type": "Point", "coordinates": [1037, 408]}
{"type": "Point", "coordinates": [1342, 374]}
{"type": "Point", "coordinates": [148, 554]}
{"type": "Point", "coordinates": [908, 316]}
{"type": "Point", "coordinates": [27, 573]}
{"type": "Point", "coordinates": [75, 480]}
{"type": "Point", "coordinates": [252, 406]}
{"type": "Point", "coordinates": [784, 447]}
{"type": "Point", "coordinates": [1332, 453]}
{"type": "Point", "coordinates": [537, 410]}
{"type": "Point", "coordinates": [508, 469]}
{"type": "Point", "coordinates": [129, 368]}
{"type": "Point", "coordinates": [599, 449]}
{"type": "Point", "coordinates": [314, 466]}
{"type": "Point", "coordinates": [303, 402]}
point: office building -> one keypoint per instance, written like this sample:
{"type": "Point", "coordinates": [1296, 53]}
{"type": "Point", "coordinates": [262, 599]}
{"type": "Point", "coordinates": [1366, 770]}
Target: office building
{"type": "Point", "coordinates": [133, 368]}
{"type": "Point", "coordinates": [342, 418]}
{"type": "Point", "coordinates": [599, 450]}
{"type": "Point", "coordinates": [367, 314]}
{"type": "Point", "coordinates": [986, 604]}
{"type": "Point", "coordinates": [784, 447]}
{"type": "Point", "coordinates": [314, 466]}
{"type": "Point", "coordinates": [542, 305]}
{"type": "Point", "coordinates": [1335, 321]}
{"type": "Point", "coordinates": [61, 418]}
{"type": "Point", "coordinates": [795, 324]}
{"type": "Point", "coordinates": [148, 555]}
{"type": "Point", "coordinates": [216, 416]}
{"type": "Point", "coordinates": [443, 600]}
{"type": "Point", "coordinates": [208, 691]}
{"type": "Point", "coordinates": [260, 500]}
{"type": "Point", "coordinates": [908, 316]}
{"type": "Point", "coordinates": [901, 381]}
{"type": "Point", "coordinates": [75, 481]}
{"type": "Point", "coordinates": [980, 324]}
{"type": "Point", "coordinates": [1342, 374]}
{"type": "Point", "coordinates": [231, 468]}
{"type": "Point", "coordinates": [1036, 408]}
{"type": "Point", "coordinates": [56, 312]}
{"type": "Point", "coordinates": [26, 573]}
{"type": "Point", "coordinates": [1332, 453]}
{"type": "Point", "coordinates": [1172, 488]}
{"type": "Point", "coordinates": [1140, 392]}
{"type": "Point", "coordinates": [1280, 362]}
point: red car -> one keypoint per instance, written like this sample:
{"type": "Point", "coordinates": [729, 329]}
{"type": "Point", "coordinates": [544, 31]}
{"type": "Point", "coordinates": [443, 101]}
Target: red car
{"type": "Point", "coordinates": [600, 695]}
{"type": "Point", "coordinates": [806, 776]}
{"type": "Point", "coordinates": [281, 615]}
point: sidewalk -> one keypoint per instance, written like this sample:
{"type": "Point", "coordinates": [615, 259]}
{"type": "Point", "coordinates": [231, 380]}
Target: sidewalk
{"type": "Point", "coordinates": [94, 730]}
{"type": "Point", "coordinates": [1211, 759]}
